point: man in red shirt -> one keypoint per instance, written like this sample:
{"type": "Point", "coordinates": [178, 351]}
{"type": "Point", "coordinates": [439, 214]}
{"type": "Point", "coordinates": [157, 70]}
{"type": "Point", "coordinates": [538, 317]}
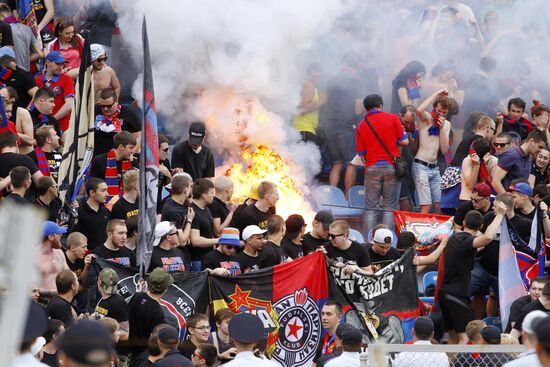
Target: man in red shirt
{"type": "Point", "coordinates": [61, 84]}
{"type": "Point", "coordinates": [380, 177]}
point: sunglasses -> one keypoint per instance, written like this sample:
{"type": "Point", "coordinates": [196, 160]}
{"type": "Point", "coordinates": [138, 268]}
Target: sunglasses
{"type": "Point", "coordinates": [333, 236]}
{"type": "Point", "coordinates": [230, 247]}
{"type": "Point", "coordinates": [172, 233]}
{"type": "Point", "coordinates": [474, 200]}
{"type": "Point", "coordinates": [105, 106]}
{"type": "Point", "coordinates": [500, 145]}
{"type": "Point", "coordinates": [166, 149]}
{"type": "Point", "coordinates": [196, 354]}
{"type": "Point", "coordinates": [102, 59]}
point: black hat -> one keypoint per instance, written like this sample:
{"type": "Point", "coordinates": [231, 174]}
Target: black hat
{"type": "Point", "coordinates": [87, 342]}
{"type": "Point", "coordinates": [491, 334]}
{"type": "Point", "coordinates": [352, 335]}
{"type": "Point", "coordinates": [168, 335]}
{"type": "Point", "coordinates": [37, 321]}
{"type": "Point", "coordinates": [340, 329]}
{"type": "Point", "coordinates": [542, 330]}
{"type": "Point", "coordinates": [325, 217]}
{"type": "Point", "coordinates": [197, 131]}
{"type": "Point", "coordinates": [423, 327]}
{"type": "Point", "coordinates": [246, 328]}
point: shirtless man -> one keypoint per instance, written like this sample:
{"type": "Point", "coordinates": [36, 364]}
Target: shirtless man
{"type": "Point", "coordinates": [433, 136]}
{"type": "Point", "coordinates": [24, 125]}
{"type": "Point", "coordinates": [104, 76]}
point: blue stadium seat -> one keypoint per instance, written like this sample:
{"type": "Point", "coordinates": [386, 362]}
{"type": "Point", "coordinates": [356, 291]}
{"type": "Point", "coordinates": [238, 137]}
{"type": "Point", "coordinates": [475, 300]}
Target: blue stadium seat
{"type": "Point", "coordinates": [333, 199]}
{"type": "Point", "coordinates": [494, 321]}
{"type": "Point", "coordinates": [357, 196]}
{"type": "Point", "coordinates": [356, 236]}
{"type": "Point", "coordinates": [429, 279]}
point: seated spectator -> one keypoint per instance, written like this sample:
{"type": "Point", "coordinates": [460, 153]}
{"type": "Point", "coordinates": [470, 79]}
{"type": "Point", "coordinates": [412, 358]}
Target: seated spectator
{"type": "Point", "coordinates": [104, 76]}
{"type": "Point", "coordinates": [258, 213]}
{"type": "Point", "coordinates": [480, 200]}
{"type": "Point", "coordinates": [249, 258]}
{"type": "Point", "coordinates": [541, 304]}
{"type": "Point", "coordinates": [112, 304]}
{"type": "Point", "coordinates": [477, 167]}
{"type": "Point", "coordinates": [423, 331]}
{"type": "Point", "coordinates": [491, 335]}
{"type": "Point", "coordinates": [20, 178]}
{"type": "Point", "coordinates": [53, 331]}
{"type": "Point", "coordinates": [220, 338]}
{"type": "Point", "coordinates": [318, 236]}
{"type": "Point", "coordinates": [69, 44]}
{"type": "Point", "coordinates": [113, 249]}
{"type": "Point", "coordinates": [127, 205]}
{"type": "Point", "coordinates": [92, 214]}
{"type": "Point", "coordinates": [166, 253]}
{"type": "Point", "coordinates": [205, 355]}
{"type": "Point", "coordinates": [168, 339]}
{"type": "Point", "coordinates": [192, 155]}
{"type": "Point", "coordinates": [535, 291]}
{"type": "Point", "coordinates": [202, 228]}
{"type": "Point", "coordinates": [291, 245]}
{"type": "Point", "coordinates": [223, 260]}
{"type": "Point", "coordinates": [199, 331]}
{"type": "Point", "coordinates": [60, 306]}
{"type": "Point", "coordinates": [272, 254]}
{"type": "Point", "coordinates": [221, 215]}
{"type": "Point", "coordinates": [111, 118]}
{"type": "Point", "coordinates": [381, 251]}
{"type": "Point", "coordinates": [352, 341]}
{"type": "Point", "coordinates": [473, 332]}
{"type": "Point", "coordinates": [348, 254]}
{"type": "Point", "coordinates": [45, 153]}
{"type": "Point", "coordinates": [48, 197]}
{"type": "Point", "coordinates": [51, 260]}
{"type": "Point", "coordinates": [41, 110]}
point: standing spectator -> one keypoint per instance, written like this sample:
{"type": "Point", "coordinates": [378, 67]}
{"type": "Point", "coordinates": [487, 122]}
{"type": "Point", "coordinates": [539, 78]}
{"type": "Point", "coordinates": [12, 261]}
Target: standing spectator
{"type": "Point", "coordinates": [535, 291]}
{"type": "Point", "coordinates": [529, 339]}
{"type": "Point", "coordinates": [112, 165]}
{"type": "Point", "coordinates": [515, 163]}
{"type": "Point", "coordinates": [484, 127]}
{"type": "Point", "coordinates": [205, 355]}
{"type": "Point", "coordinates": [21, 117]}
{"type": "Point", "coordinates": [348, 254]}
{"type": "Point", "coordinates": [77, 257]}
{"type": "Point", "coordinates": [165, 170]}
{"type": "Point", "coordinates": [539, 168]}
{"type": "Point", "coordinates": [92, 214]}
{"type": "Point", "coordinates": [249, 259]}
{"type": "Point", "coordinates": [307, 121]}
{"type": "Point", "coordinates": [10, 158]}
{"type": "Point", "coordinates": [272, 253]}
{"type": "Point", "coordinates": [145, 310]}
{"type": "Point", "coordinates": [177, 210]}
{"type": "Point", "coordinates": [168, 340]}
{"type": "Point", "coordinates": [337, 345]}
{"type": "Point", "coordinates": [113, 249]}
{"type": "Point", "coordinates": [259, 212]}
{"type": "Point", "coordinates": [408, 116]}
{"type": "Point", "coordinates": [543, 339]}
{"type": "Point", "coordinates": [318, 236]}
{"type": "Point", "coordinates": [20, 178]}
{"type": "Point", "coordinates": [423, 331]}
{"type": "Point", "coordinates": [220, 338]}
{"type": "Point", "coordinates": [502, 142]}
{"type": "Point", "coordinates": [152, 353]}
{"type": "Point", "coordinates": [35, 325]}
{"type": "Point", "coordinates": [352, 340]}
{"type": "Point", "coordinates": [473, 333]}
{"type": "Point", "coordinates": [60, 306]}
{"type": "Point", "coordinates": [44, 11]}
{"type": "Point", "coordinates": [433, 137]}
{"type": "Point", "coordinates": [406, 86]}
{"type": "Point", "coordinates": [88, 343]}
{"type": "Point", "coordinates": [222, 260]}
{"type": "Point", "coordinates": [19, 79]}
{"type": "Point", "coordinates": [112, 304]}
{"type": "Point", "coordinates": [480, 200]}
{"type": "Point", "coordinates": [199, 331]}
{"type": "Point", "coordinates": [45, 153]}
{"type": "Point", "coordinates": [381, 251]}
{"type": "Point", "coordinates": [246, 330]}
{"type": "Point", "coordinates": [344, 92]}
{"type": "Point", "coordinates": [459, 258]}
{"type": "Point", "coordinates": [41, 109]}
{"type": "Point", "coordinates": [477, 167]}
{"type": "Point", "coordinates": [53, 331]}
{"type": "Point", "coordinates": [104, 76]}
{"type": "Point", "coordinates": [221, 215]}
{"type": "Point", "coordinates": [166, 253]}
{"type": "Point", "coordinates": [110, 119]}
{"type": "Point", "coordinates": [69, 44]}
{"type": "Point", "coordinates": [127, 205]}
{"type": "Point", "coordinates": [202, 228]}
{"type": "Point", "coordinates": [514, 123]}
{"type": "Point", "coordinates": [51, 260]}
{"type": "Point", "coordinates": [61, 84]}
{"type": "Point", "coordinates": [291, 244]}
{"type": "Point", "coordinates": [331, 315]}
{"type": "Point", "coordinates": [192, 155]}
{"type": "Point", "coordinates": [380, 175]}
{"type": "Point", "coordinates": [6, 35]}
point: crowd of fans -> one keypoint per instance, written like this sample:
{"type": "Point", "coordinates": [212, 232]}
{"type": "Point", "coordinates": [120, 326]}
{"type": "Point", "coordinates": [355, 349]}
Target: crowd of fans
{"type": "Point", "coordinates": [412, 157]}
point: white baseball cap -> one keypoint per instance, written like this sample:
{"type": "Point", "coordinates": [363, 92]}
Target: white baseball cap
{"type": "Point", "coordinates": [161, 229]}
{"type": "Point", "coordinates": [531, 320]}
{"type": "Point", "coordinates": [383, 236]}
{"type": "Point", "coordinates": [250, 231]}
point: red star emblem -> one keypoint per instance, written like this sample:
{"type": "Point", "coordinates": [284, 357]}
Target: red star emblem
{"type": "Point", "coordinates": [294, 328]}
{"type": "Point", "coordinates": [240, 297]}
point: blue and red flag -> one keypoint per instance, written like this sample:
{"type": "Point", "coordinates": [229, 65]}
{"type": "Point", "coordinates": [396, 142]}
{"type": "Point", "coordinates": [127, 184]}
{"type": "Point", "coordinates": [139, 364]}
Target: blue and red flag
{"type": "Point", "coordinates": [148, 163]}
{"type": "Point", "coordinates": [27, 15]}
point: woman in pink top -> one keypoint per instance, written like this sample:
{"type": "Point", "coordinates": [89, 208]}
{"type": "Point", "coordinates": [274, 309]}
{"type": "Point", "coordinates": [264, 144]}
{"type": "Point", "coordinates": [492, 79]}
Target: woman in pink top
{"type": "Point", "coordinates": [69, 44]}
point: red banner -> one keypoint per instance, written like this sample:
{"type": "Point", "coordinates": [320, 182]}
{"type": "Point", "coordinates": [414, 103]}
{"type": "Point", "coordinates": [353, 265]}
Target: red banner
{"type": "Point", "coordinates": [417, 223]}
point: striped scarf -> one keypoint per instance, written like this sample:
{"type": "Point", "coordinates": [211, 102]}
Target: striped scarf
{"type": "Point", "coordinates": [5, 74]}
{"type": "Point", "coordinates": [43, 165]}
{"type": "Point", "coordinates": [111, 174]}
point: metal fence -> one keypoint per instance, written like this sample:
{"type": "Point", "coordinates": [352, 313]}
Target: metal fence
{"type": "Point", "coordinates": [408, 355]}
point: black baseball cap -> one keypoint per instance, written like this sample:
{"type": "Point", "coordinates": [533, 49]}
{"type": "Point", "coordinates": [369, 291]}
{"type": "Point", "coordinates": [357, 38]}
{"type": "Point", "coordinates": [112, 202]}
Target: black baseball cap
{"type": "Point", "coordinates": [491, 334]}
{"type": "Point", "coordinates": [423, 327]}
{"type": "Point", "coordinates": [168, 335]}
{"type": "Point", "coordinates": [87, 342]}
{"type": "Point", "coordinates": [352, 335]}
{"type": "Point", "coordinates": [246, 328]}
{"type": "Point", "coordinates": [325, 217]}
{"type": "Point", "coordinates": [37, 321]}
{"type": "Point", "coordinates": [197, 131]}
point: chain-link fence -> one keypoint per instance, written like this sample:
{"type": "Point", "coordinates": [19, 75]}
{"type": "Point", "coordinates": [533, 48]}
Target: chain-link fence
{"type": "Point", "coordinates": [427, 355]}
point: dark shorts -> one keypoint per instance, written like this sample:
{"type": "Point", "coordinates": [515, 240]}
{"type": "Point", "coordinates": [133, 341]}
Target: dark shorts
{"type": "Point", "coordinates": [456, 311]}
{"type": "Point", "coordinates": [483, 282]}
{"type": "Point", "coordinates": [341, 146]}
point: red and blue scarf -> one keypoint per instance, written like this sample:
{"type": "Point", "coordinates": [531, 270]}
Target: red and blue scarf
{"type": "Point", "coordinates": [522, 122]}
{"type": "Point", "coordinates": [43, 165]}
{"type": "Point", "coordinates": [111, 174]}
{"type": "Point", "coordinates": [435, 128]}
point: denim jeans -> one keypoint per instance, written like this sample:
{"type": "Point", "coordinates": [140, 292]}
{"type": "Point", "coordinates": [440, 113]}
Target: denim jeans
{"type": "Point", "coordinates": [381, 181]}
{"type": "Point", "coordinates": [427, 182]}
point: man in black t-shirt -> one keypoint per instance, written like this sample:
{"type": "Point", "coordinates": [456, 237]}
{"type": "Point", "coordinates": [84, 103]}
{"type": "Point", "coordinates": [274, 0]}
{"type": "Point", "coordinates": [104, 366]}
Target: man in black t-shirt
{"type": "Point", "coordinates": [192, 155]}
{"type": "Point", "coordinates": [480, 201]}
{"type": "Point", "coordinates": [258, 213]}
{"type": "Point", "coordinates": [47, 143]}
{"type": "Point", "coordinates": [542, 304]}
{"type": "Point", "coordinates": [221, 215]}
{"type": "Point", "coordinates": [249, 259]}
{"type": "Point", "coordinates": [47, 193]}
{"type": "Point", "coordinates": [110, 119]}
{"type": "Point", "coordinates": [78, 259]}
{"type": "Point", "coordinates": [291, 244]}
{"type": "Point", "coordinates": [454, 294]}
{"type": "Point", "coordinates": [202, 228]}
{"type": "Point", "coordinates": [346, 253]}
{"type": "Point", "coordinates": [222, 260]}
{"type": "Point", "coordinates": [41, 109]}
{"type": "Point", "coordinates": [272, 254]}
{"type": "Point", "coordinates": [60, 306]}
{"type": "Point", "coordinates": [92, 214]}
{"type": "Point", "coordinates": [112, 304]}
{"type": "Point", "coordinates": [19, 79]}
{"type": "Point", "coordinates": [166, 253]}
{"type": "Point", "coordinates": [20, 178]}
{"type": "Point", "coordinates": [113, 249]}
{"type": "Point", "coordinates": [318, 236]}
{"type": "Point", "coordinates": [381, 252]}
{"type": "Point", "coordinates": [128, 205]}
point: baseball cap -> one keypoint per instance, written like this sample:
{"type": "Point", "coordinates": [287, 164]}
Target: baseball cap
{"type": "Point", "coordinates": [36, 323]}
{"type": "Point", "coordinates": [531, 320]}
{"type": "Point", "coordinates": [161, 230]}
{"type": "Point", "coordinates": [491, 334]}
{"type": "Point", "coordinates": [168, 335]}
{"type": "Point", "coordinates": [246, 328]}
{"type": "Point", "coordinates": [253, 194]}
{"type": "Point", "coordinates": [542, 331]}
{"type": "Point", "coordinates": [383, 236]}
{"type": "Point", "coordinates": [325, 217]}
{"type": "Point", "coordinates": [159, 280]}
{"type": "Point", "coordinates": [294, 223]}
{"type": "Point", "coordinates": [423, 327]}
{"type": "Point", "coordinates": [49, 228]}
{"type": "Point", "coordinates": [37, 345]}
{"type": "Point", "coordinates": [250, 231]}
{"type": "Point", "coordinates": [7, 51]}
{"type": "Point", "coordinates": [522, 188]}
{"type": "Point", "coordinates": [482, 190]}
{"type": "Point", "coordinates": [55, 56]}
{"type": "Point", "coordinates": [197, 131]}
{"type": "Point", "coordinates": [352, 335]}
{"type": "Point", "coordinates": [97, 50]}
{"type": "Point", "coordinates": [340, 329]}
{"type": "Point", "coordinates": [109, 280]}
{"type": "Point", "coordinates": [87, 342]}
{"type": "Point", "coordinates": [230, 236]}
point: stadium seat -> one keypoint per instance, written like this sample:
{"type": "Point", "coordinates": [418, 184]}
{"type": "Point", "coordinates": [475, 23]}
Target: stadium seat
{"type": "Point", "coordinates": [333, 199]}
{"type": "Point", "coordinates": [430, 278]}
{"type": "Point", "coordinates": [494, 321]}
{"type": "Point", "coordinates": [357, 197]}
{"type": "Point", "coordinates": [356, 236]}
